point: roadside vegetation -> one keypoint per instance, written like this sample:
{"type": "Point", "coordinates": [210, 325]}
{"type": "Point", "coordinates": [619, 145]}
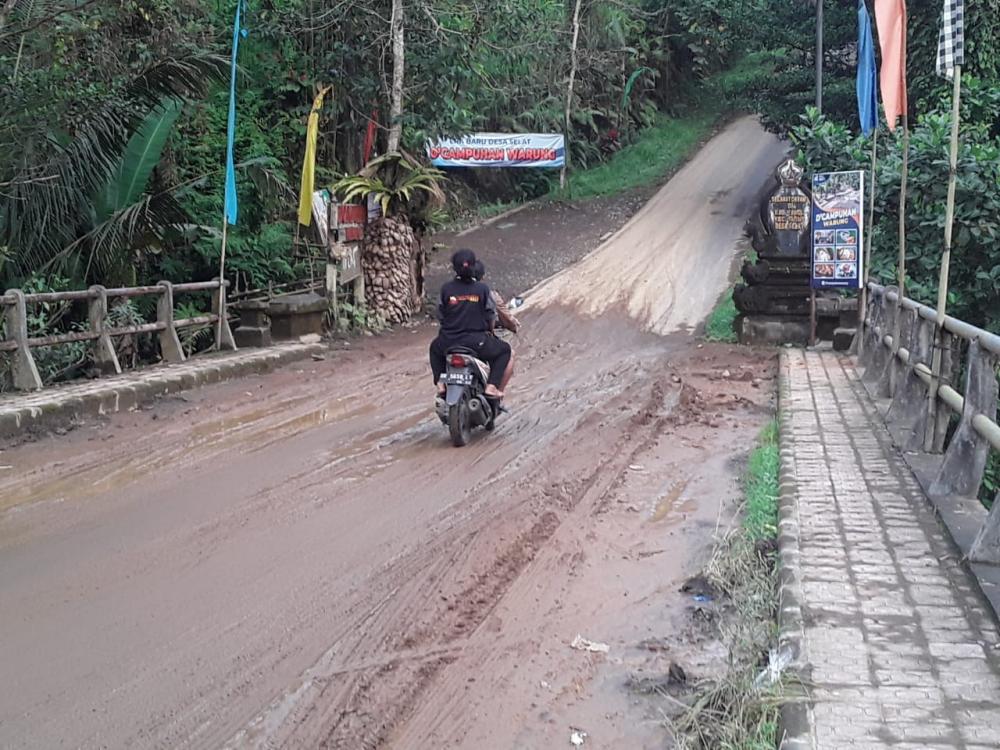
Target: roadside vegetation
{"type": "Point", "coordinates": [719, 326]}
{"type": "Point", "coordinates": [740, 710]}
{"type": "Point", "coordinates": [656, 152]}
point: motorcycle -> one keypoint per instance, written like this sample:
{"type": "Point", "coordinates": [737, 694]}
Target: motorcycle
{"type": "Point", "coordinates": [465, 405]}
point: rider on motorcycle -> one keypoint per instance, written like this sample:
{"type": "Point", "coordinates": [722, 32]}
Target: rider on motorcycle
{"type": "Point", "coordinates": [504, 320]}
{"type": "Point", "coordinates": [467, 314]}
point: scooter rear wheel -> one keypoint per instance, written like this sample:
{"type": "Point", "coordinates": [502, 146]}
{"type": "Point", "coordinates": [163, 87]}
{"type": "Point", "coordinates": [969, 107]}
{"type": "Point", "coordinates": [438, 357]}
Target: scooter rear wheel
{"type": "Point", "coordinates": [460, 423]}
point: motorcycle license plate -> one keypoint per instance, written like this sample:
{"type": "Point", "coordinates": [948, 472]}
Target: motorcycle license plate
{"type": "Point", "coordinates": [459, 378]}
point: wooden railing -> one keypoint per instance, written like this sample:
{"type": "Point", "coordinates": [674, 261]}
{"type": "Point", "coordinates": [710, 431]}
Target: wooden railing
{"type": "Point", "coordinates": [18, 344]}
{"type": "Point", "coordinates": [924, 403]}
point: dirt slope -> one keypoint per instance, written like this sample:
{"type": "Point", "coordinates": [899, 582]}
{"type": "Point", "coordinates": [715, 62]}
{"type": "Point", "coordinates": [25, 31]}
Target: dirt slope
{"type": "Point", "coordinates": [669, 264]}
{"type": "Point", "coordinates": [302, 560]}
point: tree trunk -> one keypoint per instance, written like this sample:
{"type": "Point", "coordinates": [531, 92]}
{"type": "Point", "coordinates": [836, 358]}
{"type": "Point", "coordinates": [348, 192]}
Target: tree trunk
{"type": "Point", "coordinates": [398, 63]}
{"type": "Point", "coordinates": [5, 10]}
{"type": "Point", "coordinates": [569, 87]}
{"type": "Point", "coordinates": [392, 263]}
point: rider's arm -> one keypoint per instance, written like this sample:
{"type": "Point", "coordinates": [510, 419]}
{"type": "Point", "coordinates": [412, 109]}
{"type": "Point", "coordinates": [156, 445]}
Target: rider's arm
{"type": "Point", "coordinates": [441, 306]}
{"type": "Point", "coordinates": [491, 309]}
{"type": "Point", "coordinates": [504, 318]}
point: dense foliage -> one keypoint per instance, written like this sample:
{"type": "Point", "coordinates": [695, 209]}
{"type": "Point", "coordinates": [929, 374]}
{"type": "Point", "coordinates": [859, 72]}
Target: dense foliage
{"type": "Point", "coordinates": [113, 135]}
{"type": "Point", "coordinates": [975, 271]}
{"type": "Point", "coordinates": [777, 79]}
{"type": "Point", "coordinates": [781, 83]}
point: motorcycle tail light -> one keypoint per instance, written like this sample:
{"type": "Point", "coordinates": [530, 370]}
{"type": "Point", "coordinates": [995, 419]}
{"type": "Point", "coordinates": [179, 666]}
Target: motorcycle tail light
{"type": "Point", "coordinates": [457, 360]}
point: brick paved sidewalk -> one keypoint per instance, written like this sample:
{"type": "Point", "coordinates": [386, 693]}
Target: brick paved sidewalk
{"type": "Point", "coordinates": [898, 649]}
{"type": "Point", "coordinates": [60, 405]}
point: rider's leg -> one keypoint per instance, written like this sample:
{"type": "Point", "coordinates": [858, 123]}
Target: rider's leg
{"type": "Point", "coordinates": [497, 353]}
{"type": "Point", "coordinates": [507, 374]}
{"type": "Point", "coordinates": [437, 355]}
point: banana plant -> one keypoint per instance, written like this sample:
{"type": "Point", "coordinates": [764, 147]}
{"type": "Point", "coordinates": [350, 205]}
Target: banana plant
{"type": "Point", "coordinates": [123, 213]}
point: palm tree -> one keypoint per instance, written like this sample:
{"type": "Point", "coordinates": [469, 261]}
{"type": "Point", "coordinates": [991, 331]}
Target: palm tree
{"type": "Point", "coordinates": [74, 174]}
{"type": "Point", "coordinates": [393, 260]}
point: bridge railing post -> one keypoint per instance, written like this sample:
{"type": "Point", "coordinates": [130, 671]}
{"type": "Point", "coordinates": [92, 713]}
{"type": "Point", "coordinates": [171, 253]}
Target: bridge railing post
{"type": "Point", "coordinates": [102, 348]}
{"type": "Point", "coordinates": [950, 354]}
{"type": "Point", "coordinates": [961, 472]}
{"type": "Point", "coordinates": [170, 343]}
{"type": "Point", "coordinates": [223, 333]}
{"type": "Point", "coordinates": [25, 372]}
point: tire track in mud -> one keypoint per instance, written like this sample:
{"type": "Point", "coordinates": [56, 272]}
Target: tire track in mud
{"type": "Point", "coordinates": [302, 560]}
{"type": "Point", "coordinates": [425, 628]}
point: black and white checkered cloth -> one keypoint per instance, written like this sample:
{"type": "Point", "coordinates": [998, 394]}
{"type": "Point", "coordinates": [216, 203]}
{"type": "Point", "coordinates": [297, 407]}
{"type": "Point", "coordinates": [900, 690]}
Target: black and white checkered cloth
{"type": "Point", "coordinates": [951, 40]}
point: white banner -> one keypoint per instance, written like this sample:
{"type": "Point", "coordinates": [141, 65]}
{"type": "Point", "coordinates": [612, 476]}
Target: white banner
{"type": "Point", "coordinates": [546, 150]}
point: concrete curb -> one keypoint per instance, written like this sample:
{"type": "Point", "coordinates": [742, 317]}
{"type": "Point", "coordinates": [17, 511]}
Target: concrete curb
{"type": "Point", "coordinates": [795, 727]}
{"type": "Point", "coordinates": [54, 408]}
{"type": "Point", "coordinates": [494, 219]}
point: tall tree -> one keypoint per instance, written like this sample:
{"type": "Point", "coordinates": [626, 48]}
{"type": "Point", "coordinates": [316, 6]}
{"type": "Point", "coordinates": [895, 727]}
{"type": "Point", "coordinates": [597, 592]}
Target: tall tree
{"type": "Point", "coordinates": [397, 27]}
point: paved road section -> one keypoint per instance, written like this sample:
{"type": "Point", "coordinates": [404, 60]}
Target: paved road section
{"type": "Point", "coordinates": [302, 560]}
{"type": "Point", "coordinates": [900, 648]}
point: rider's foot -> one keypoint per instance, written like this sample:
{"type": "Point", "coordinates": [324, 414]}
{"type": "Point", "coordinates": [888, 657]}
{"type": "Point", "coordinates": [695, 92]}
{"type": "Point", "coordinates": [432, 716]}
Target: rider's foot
{"type": "Point", "coordinates": [493, 392]}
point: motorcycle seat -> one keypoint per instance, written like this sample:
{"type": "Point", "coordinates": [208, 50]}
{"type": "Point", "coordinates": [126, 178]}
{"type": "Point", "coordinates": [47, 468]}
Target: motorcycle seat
{"type": "Point", "coordinates": [484, 368]}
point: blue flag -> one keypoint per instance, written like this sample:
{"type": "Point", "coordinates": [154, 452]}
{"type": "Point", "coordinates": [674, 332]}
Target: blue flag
{"type": "Point", "coordinates": [867, 73]}
{"type": "Point", "coordinates": [231, 205]}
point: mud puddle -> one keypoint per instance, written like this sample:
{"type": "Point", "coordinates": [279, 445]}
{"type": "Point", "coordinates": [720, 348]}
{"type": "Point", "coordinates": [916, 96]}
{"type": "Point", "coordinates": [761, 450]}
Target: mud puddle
{"type": "Point", "coordinates": [301, 559]}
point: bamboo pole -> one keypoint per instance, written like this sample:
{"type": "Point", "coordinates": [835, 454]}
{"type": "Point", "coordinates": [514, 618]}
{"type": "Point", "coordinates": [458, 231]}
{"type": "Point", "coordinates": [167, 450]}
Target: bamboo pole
{"type": "Point", "coordinates": [819, 55]}
{"type": "Point", "coordinates": [222, 282]}
{"type": "Point", "coordinates": [901, 261]}
{"type": "Point", "coordinates": [867, 259]}
{"type": "Point", "coordinates": [950, 205]}
{"type": "Point", "coordinates": [942, 298]}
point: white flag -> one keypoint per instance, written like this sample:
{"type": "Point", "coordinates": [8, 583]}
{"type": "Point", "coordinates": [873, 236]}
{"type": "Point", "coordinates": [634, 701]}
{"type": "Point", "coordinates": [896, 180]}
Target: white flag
{"type": "Point", "coordinates": [951, 40]}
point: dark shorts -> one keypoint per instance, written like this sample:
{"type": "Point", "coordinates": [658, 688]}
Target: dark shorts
{"type": "Point", "coordinates": [492, 350]}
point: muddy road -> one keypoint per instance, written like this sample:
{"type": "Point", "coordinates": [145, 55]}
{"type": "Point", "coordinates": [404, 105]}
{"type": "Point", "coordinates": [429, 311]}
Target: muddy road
{"type": "Point", "coordinates": [301, 559]}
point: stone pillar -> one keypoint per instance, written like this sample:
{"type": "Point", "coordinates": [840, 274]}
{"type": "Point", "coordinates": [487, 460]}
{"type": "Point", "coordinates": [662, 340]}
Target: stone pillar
{"type": "Point", "coordinates": [170, 345]}
{"type": "Point", "coordinates": [102, 348]}
{"type": "Point", "coordinates": [884, 382]}
{"type": "Point", "coordinates": [255, 326]}
{"type": "Point", "coordinates": [223, 333]}
{"type": "Point", "coordinates": [908, 412]}
{"type": "Point", "coordinates": [26, 377]}
{"type": "Point", "coordinates": [965, 460]}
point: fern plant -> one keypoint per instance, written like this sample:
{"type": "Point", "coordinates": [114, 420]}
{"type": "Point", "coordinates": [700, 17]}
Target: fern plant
{"type": "Point", "coordinates": [396, 180]}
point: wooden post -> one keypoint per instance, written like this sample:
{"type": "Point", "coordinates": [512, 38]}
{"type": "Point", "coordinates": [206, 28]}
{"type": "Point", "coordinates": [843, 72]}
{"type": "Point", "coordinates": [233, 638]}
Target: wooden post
{"type": "Point", "coordinates": [812, 317]}
{"type": "Point", "coordinates": [942, 298]}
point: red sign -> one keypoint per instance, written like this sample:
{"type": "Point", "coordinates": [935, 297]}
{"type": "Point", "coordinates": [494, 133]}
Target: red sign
{"type": "Point", "coordinates": [351, 213]}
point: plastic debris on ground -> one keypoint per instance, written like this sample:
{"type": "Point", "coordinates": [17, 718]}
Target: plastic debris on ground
{"type": "Point", "coordinates": [582, 644]}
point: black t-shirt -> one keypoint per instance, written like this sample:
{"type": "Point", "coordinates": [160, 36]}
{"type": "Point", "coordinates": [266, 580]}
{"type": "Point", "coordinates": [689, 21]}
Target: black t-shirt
{"type": "Point", "coordinates": [466, 306]}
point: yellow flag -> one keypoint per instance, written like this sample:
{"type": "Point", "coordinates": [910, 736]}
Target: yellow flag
{"type": "Point", "coordinates": [309, 163]}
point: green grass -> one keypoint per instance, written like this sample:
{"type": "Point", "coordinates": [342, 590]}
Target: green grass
{"type": "Point", "coordinates": [733, 712]}
{"type": "Point", "coordinates": [656, 152]}
{"type": "Point", "coordinates": [719, 326]}
{"type": "Point", "coordinates": [733, 83]}
{"type": "Point", "coordinates": [761, 520]}
{"type": "Point", "coordinates": [489, 210]}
